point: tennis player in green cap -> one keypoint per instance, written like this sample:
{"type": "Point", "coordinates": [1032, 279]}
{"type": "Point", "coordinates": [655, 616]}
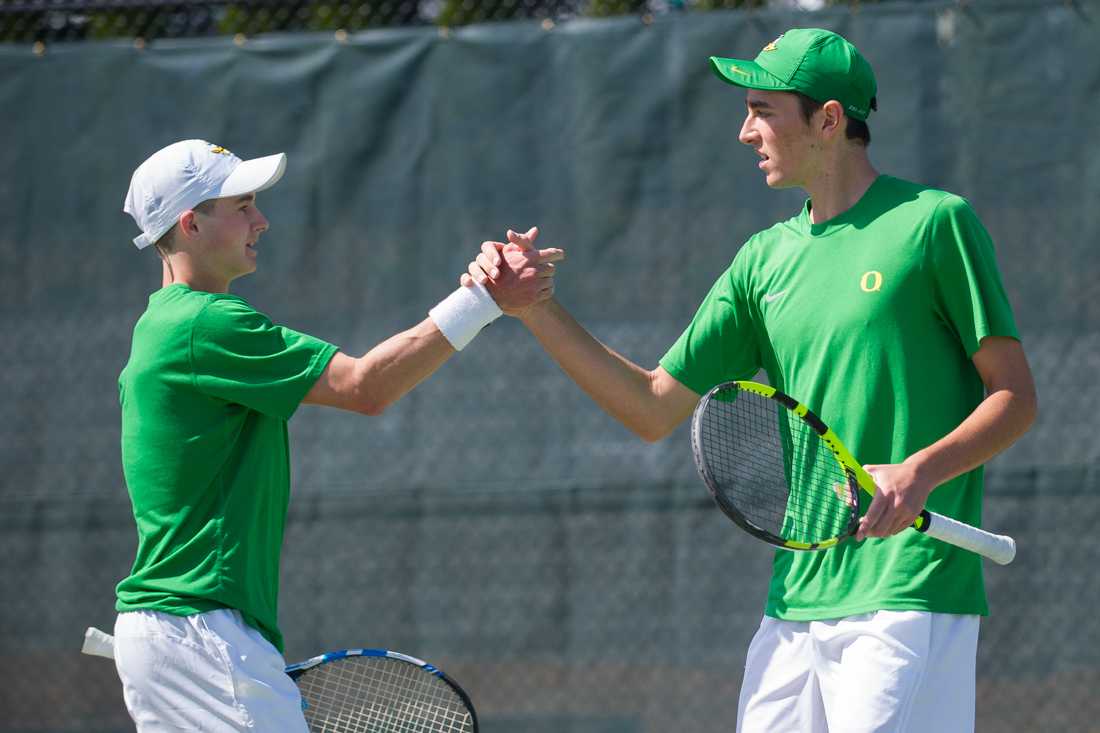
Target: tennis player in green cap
{"type": "Point", "coordinates": [879, 305]}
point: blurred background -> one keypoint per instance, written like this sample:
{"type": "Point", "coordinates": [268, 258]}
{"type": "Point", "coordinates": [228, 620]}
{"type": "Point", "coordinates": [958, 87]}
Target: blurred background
{"type": "Point", "coordinates": [495, 522]}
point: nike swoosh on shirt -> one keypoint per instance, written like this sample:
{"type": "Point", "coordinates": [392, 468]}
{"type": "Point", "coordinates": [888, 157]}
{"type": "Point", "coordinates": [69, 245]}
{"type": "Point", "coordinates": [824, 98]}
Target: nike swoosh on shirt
{"type": "Point", "coordinates": [769, 297]}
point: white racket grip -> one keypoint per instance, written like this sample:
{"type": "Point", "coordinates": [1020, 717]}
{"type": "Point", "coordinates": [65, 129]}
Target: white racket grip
{"type": "Point", "coordinates": [999, 548]}
{"type": "Point", "coordinates": [98, 643]}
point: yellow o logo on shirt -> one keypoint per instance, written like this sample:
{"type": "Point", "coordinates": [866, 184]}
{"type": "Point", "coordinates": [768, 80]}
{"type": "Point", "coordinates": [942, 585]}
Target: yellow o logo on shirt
{"type": "Point", "coordinates": [871, 282]}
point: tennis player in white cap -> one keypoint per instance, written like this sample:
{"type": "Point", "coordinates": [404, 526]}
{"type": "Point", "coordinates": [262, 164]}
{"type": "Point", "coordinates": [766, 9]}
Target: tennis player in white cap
{"type": "Point", "coordinates": [206, 395]}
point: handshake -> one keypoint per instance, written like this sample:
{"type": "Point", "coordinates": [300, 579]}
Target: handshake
{"type": "Point", "coordinates": [516, 274]}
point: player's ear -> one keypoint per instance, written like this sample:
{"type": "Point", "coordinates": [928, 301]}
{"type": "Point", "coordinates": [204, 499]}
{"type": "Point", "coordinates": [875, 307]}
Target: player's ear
{"type": "Point", "coordinates": [831, 118]}
{"type": "Point", "coordinates": [188, 225]}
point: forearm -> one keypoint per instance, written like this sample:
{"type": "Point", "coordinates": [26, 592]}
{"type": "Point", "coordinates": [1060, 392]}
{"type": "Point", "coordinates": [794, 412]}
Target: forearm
{"type": "Point", "coordinates": [392, 368]}
{"type": "Point", "coordinates": [623, 389]}
{"type": "Point", "coordinates": [1004, 415]}
{"type": "Point", "coordinates": [995, 424]}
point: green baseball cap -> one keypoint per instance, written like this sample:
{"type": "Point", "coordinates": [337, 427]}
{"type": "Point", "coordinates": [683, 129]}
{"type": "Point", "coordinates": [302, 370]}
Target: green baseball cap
{"type": "Point", "coordinates": [818, 63]}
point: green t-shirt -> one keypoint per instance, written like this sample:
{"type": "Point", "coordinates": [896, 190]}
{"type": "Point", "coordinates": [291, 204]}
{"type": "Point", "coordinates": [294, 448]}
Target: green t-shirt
{"type": "Point", "coordinates": [206, 396]}
{"type": "Point", "coordinates": [871, 320]}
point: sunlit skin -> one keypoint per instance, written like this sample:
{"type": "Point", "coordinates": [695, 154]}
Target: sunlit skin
{"type": "Point", "coordinates": [776, 130]}
{"type": "Point", "coordinates": [213, 249]}
{"type": "Point", "coordinates": [816, 156]}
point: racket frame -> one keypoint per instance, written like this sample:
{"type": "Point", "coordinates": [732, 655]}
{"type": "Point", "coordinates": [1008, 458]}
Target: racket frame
{"type": "Point", "coordinates": [1001, 549]}
{"type": "Point", "coordinates": [300, 668]}
{"type": "Point", "coordinates": [816, 424]}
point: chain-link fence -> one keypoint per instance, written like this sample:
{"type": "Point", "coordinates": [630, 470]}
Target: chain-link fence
{"type": "Point", "coordinates": [609, 609]}
{"type": "Point", "coordinates": [494, 521]}
{"type": "Point", "coordinates": [48, 21]}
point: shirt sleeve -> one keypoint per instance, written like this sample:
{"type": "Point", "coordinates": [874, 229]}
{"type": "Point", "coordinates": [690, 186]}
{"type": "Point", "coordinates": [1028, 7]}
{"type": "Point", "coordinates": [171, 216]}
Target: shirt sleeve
{"type": "Point", "coordinates": [720, 344]}
{"type": "Point", "coordinates": [969, 294]}
{"type": "Point", "coordinates": [239, 356]}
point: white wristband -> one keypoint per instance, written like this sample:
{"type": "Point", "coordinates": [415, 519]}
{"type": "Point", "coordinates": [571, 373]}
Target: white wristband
{"type": "Point", "coordinates": [463, 313]}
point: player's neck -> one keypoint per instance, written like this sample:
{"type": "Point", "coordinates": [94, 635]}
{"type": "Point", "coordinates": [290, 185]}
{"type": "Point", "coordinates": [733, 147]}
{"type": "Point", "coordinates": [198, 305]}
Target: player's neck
{"type": "Point", "coordinates": [179, 270]}
{"type": "Point", "coordinates": [840, 185]}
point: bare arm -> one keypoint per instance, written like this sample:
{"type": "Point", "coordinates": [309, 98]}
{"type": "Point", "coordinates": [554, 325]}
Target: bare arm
{"type": "Point", "coordinates": [371, 383]}
{"type": "Point", "coordinates": [651, 403]}
{"type": "Point", "coordinates": [1006, 413]}
{"type": "Point", "coordinates": [384, 374]}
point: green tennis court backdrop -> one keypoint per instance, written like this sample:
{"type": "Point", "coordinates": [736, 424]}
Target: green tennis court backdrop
{"type": "Point", "coordinates": [574, 578]}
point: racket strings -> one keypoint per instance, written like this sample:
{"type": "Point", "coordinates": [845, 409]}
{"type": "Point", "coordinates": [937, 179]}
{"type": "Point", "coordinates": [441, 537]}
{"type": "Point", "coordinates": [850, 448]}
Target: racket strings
{"type": "Point", "coordinates": [774, 469]}
{"type": "Point", "coordinates": [375, 694]}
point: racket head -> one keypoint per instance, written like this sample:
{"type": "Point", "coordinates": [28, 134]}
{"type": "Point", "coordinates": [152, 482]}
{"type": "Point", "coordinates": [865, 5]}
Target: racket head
{"type": "Point", "coordinates": [774, 467]}
{"type": "Point", "coordinates": [376, 690]}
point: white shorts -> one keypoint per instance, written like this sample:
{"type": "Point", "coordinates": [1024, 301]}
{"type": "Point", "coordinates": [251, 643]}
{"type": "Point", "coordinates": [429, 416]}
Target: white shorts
{"type": "Point", "coordinates": [882, 672]}
{"type": "Point", "coordinates": [208, 672]}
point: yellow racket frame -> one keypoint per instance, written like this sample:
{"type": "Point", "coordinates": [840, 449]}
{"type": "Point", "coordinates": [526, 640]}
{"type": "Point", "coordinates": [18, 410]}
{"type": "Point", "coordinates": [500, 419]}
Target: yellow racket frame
{"type": "Point", "coordinates": [999, 548]}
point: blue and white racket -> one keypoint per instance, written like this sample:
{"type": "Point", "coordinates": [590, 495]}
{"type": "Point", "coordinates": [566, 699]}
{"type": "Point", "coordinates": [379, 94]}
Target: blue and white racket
{"type": "Point", "coordinates": [364, 691]}
{"type": "Point", "coordinates": [372, 690]}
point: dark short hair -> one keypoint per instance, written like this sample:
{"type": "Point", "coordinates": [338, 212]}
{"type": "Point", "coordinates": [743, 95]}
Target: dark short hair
{"type": "Point", "coordinates": [167, 242]}
{"type": "Point", "coordinates": [856, 129]}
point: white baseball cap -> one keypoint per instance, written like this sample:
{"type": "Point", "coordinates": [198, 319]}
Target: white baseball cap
{"type": "Point", "coordinates": [183, 175]}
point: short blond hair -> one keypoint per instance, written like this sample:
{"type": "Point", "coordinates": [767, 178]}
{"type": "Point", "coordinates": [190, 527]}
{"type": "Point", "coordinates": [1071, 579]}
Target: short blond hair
{"type": "Point", "coordinates": [167, 242]}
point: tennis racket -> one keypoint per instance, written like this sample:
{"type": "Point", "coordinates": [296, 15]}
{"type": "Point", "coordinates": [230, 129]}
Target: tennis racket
{"type": "Point", "coordinates": [364, 691]}
{"type": "Point", "coordinates": [371, 690]}
{"type": "Point", "coordinates": [782, 475]}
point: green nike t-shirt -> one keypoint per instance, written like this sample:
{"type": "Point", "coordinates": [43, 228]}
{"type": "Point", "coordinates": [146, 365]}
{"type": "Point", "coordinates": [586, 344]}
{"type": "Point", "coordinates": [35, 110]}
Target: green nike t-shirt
{"type": "Point", "coordinates": [871, 320]}
{"type": "Point", "coordinates": [206, 395]}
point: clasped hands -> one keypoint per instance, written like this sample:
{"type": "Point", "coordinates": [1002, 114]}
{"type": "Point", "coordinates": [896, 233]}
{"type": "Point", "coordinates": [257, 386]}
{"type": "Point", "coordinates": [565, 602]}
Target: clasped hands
{"type": "Point", "coordinates": [515, 273]}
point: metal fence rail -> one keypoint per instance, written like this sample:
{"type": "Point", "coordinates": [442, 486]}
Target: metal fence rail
{"type": "Point", "coordinates": [48, 21]}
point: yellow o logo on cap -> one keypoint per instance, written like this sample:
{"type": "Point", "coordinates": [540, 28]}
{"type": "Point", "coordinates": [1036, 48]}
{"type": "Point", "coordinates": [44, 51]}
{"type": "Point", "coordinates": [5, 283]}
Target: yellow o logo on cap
{"type": "Point", "coordinates": [871, 282]}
